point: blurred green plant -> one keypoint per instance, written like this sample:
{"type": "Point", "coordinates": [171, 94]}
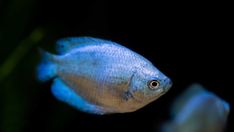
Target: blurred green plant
{"type": "Point", "coordinates": [14, 101]}
{"type": "Point", "coordinates": [16, 41]}
{"type": "Point", "coordinates": [14, 58]}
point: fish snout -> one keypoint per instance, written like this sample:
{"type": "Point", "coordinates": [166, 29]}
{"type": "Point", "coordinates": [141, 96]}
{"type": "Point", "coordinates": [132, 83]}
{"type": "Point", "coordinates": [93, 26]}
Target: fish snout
{"type": "Point", "coordinates": [168, 84]}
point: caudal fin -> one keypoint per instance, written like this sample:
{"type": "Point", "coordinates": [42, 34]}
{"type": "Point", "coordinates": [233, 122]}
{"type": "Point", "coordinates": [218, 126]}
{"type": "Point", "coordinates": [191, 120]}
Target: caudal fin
{"type": "Point", "coordinates": [46, 69]}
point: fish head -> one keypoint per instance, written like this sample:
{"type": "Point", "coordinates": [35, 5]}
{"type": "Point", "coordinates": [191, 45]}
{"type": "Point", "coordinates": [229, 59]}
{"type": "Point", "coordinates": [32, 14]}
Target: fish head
{"type": "Point", "coordinates": [148, 84]}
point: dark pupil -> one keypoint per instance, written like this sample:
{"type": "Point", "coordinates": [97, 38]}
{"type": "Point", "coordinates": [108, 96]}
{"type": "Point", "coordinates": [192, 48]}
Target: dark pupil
{"type": "Point", "coordinates": [154, 84]}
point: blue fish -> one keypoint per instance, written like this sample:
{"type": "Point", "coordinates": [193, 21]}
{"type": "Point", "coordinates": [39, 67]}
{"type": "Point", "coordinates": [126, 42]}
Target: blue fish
{"type": "Point", "coordinates": [101, 77]}
{"type": "Point", "coordinates": [198, 110]}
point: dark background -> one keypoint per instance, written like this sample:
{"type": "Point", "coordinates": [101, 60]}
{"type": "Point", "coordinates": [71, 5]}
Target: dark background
{"type": "Point", "coordinates": [189, 42]}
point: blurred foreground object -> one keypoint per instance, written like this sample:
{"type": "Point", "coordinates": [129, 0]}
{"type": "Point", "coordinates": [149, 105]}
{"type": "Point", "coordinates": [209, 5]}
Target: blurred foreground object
{"type": "Point", "coordinates": [198, 110]}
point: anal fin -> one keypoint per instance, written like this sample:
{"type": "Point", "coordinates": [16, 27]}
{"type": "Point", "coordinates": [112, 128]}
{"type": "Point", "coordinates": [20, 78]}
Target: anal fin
{"type": "Point", "coordinates": [67, 95]}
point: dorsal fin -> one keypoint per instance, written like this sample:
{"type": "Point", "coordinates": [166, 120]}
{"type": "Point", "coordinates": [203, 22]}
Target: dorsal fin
{"type": "Point", "coordinates": [64, 45]}
{"type": "Point", "coordinates": [190, 92]}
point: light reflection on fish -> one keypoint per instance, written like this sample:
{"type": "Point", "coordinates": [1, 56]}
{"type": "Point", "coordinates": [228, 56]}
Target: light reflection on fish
{"type": "Point", "coordinates": [99, 76]}
{"type": "Point", "coordinates": [198, 110]}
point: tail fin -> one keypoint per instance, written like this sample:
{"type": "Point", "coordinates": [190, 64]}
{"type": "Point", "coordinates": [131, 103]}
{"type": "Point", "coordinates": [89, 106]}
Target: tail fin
{"type": "Point", "coordinates": [46, 68]}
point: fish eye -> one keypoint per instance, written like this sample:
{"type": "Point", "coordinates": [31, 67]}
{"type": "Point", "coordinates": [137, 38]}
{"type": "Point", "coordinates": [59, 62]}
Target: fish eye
{"type": "Point", "coordinates": [153, 84]}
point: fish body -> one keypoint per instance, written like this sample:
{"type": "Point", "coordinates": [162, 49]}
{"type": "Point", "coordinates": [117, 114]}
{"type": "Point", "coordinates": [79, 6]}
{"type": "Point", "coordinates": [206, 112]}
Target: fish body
{"type": "Point", "coordinates": [198, 110]}
{"type": "Point", "coordinates": [101, 77]}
